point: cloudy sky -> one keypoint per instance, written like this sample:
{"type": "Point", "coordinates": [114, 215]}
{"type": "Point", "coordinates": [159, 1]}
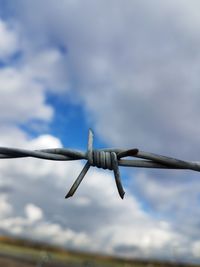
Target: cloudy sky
{"type": "Point", "coordinates": [130, 71]}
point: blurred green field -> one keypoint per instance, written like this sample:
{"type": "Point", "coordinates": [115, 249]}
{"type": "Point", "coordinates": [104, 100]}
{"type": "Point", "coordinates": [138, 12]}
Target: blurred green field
{"type": "Point", "coordinates": [14, 253]}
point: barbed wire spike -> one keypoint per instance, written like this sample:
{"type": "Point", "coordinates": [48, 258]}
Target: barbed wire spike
{"type": "Point", "coordinates": [78, 181]}
{"type": "Point", "coordinates": [109, 158]}
{"type": "Point", "coordinates": [101, 160]}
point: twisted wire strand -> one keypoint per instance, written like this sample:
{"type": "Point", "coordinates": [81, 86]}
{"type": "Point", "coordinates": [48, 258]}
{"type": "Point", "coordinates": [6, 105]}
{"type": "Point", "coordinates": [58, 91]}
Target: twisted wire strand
{"type": "Point", "coordinates": [108, 158]}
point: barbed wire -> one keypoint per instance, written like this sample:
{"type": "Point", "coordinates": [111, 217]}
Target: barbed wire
{"type": "Point", "coordinates": [108, 158]}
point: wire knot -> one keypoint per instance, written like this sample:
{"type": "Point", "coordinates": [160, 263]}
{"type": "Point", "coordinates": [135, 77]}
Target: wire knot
{"type": "Point", "coordinates": [100, 159]}
{"type": "Point", "coordinates": [103, 159]}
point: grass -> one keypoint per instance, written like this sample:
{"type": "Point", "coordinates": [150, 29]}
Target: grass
{"type": "Point", "coordinates": [37, 254]}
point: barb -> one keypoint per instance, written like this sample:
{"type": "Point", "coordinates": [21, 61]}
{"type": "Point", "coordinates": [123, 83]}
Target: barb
{"type": "Point", "coordinates": [109, 158]}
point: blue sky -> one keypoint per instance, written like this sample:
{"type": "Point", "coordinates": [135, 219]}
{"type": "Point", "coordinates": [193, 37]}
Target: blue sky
{"type": "Point", "coordinates": [130, 71]}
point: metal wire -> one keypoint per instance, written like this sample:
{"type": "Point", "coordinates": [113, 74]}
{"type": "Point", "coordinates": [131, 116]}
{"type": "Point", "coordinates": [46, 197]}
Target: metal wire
{"type": "Point", "coordinates": [109, 158]}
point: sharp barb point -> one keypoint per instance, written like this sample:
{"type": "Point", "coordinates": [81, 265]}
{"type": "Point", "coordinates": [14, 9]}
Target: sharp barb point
{"type": "Point", "coordinates": [122, 195]}
{"type": "Point", "coordinates": [117, 174]}
{"type": "Point", "coordinates": [68, 195]}
{"type": "Point", "coordinates": [78, 180]}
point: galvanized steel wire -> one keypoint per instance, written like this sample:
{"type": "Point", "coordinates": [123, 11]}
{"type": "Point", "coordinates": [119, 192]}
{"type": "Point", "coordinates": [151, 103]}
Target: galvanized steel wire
{"type": "Point", "coordinates": [109, 158]}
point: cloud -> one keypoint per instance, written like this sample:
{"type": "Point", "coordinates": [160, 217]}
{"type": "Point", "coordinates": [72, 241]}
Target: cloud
{"type": "Point", "coordinates": [5, 207]}
{"type": "Point", "coordinates": [196, 249]}
{"type": "Point", "coordinates": [25, 79]}
{"type": "Point", "coordinates": [9, 42]}
{"type": "Point", "coordinates": [16, 92]}
{"type": "Point", "coordinates": [33, 212]}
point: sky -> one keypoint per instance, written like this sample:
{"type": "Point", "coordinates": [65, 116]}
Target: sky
{"type": "Point", "coordinates": [130, 71]}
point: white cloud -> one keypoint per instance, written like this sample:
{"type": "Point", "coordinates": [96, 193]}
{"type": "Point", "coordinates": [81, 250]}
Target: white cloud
{"type": "Point", "coordinates": [33, 212]}
{"type": "Point", "coordinates": [5, 206]}
{"type": "Point", "coordinates": [9, 42]}
{"type": "Point", "coordinates": [25, 80]}
{"type": "Point", "coordinates": [54, 233]}
{"type": "Point", "coordinates": [196, 249]}
{"type": "Point", "coordinates": [22, 98]}
{"type": "Point", "coordinates": [45, 141]}
{"type": "Point", "coordinates": [47, 67]}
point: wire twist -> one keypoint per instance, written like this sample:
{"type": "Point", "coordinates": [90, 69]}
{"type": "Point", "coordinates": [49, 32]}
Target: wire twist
{"type": "Point", "coordinates": [99, 159]}
{"type": "Point", "coordinates": [110, 158]}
